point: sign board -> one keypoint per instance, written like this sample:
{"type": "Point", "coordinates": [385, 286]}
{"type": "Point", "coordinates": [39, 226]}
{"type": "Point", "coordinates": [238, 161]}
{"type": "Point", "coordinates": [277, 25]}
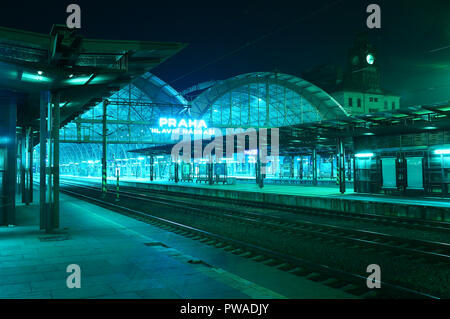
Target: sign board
{"type": "Point", "coordinates": [414, 170]}
{"type": "Point", "coordinates": [389, 172]}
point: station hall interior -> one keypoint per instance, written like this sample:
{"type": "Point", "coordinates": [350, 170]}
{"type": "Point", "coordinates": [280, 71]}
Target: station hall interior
{"type": "Point", "coordinates": [82, 111]}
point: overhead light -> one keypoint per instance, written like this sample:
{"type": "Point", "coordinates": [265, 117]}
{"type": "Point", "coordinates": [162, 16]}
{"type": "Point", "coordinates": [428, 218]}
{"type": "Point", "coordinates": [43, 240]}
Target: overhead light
{"type": "Point", "coordinates": [70, 75]}
{"type": "Point", "coordinates": [368, 133]}
{"type": "Point", "coordinates": [442, 151]}
{"type": "Point", "coordinates": [364, 155]}
{"type": "Point", "coordinates": [40, 72]}
{"type": "Point", "coordinates": [430, 128]}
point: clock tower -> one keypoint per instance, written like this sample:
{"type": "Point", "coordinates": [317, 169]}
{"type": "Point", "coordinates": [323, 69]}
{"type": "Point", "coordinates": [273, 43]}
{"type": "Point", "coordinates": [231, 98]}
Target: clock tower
{"type": "Point", "coordinates": [362, 71]}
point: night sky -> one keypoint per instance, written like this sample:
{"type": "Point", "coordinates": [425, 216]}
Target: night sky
{"type": "Point", "coordinates": [227, 38]}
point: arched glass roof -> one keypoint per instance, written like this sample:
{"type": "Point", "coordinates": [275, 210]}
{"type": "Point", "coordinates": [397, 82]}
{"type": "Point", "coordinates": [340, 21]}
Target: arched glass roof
{"type": "Point", "coordinates": [129, 124]}
{"type": "Point", "coordinates": [264, 99]}
{"type": "Point", "coordinates": [260, 99]}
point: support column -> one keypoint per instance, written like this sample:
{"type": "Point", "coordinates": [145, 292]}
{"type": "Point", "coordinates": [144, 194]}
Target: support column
{"type": "Point", "coordinates": [210, 171]}
{"type": "Point", "coordinates": [55, 168]}
{"type": "Point", "coordinates": [8, 119]}
{"type": "Point", "coordinates": [30, 161]}
{"type": "Point", "coordinates": [151, 167]}
{"type": "Point", "coordinates": [21, 189]}
{"type": "Point", "coordinates": [341, 166]}
{"type": "Point", "coordinates": [261, 142]}
{"type": "Point", "coordinates": [43, 205]}
{"type": "Point", "coordinates": [332, 167]}
{"type": "Point", "coordinates": [355, 184]}
{"type": "Point", "coordinates": [49, 161]}
{"type": "Point", "coordinates": [26, 169]}
{"type": "Point", "coordinates": [104, 150]}
{"type": "Point", "coordinates": [176, 172]}
{"type": "Point", "coordinates": [314, 166]}
{"type": "Point", "coordinates": [48, 169]}
{"type": "Point", "coordinates": [300, 168]}
{"type": "Point", "coordinates": [292, 173]}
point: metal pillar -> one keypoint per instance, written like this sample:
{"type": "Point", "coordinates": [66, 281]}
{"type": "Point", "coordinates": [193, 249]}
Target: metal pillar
{"type": "Point", "coordinates": [341, 166]}
{"type": "Point", "coordinates": [258, 168]}
{"type": "Point", "coordinates": [332, 168]}
{"type": "Point", "coordinates": [49, 161]}
{"type": "Point", "coordinates": [55, 168]}
{"type": "Point", "coordinates": [210, 171]}
{"type": "Point", "coordinates": [314, 166]}
{"type": "Point", "coordinates": [300, 173]}
{"type": "Point", "coordinates": [176, 172]}
{"type": "Point", "coordinates": [30, 161]}
{"type": "Point", "coordinates": [151, 168]}
{"type": "Point", "coordinates": [355, 184]}
{"type": "Point", "coordinates": [43, 205]}
{"type": "Point", "coordinates": [117, 184]}
{"type": "Point", "coordinates": [259, 174]}
{"type": "Point", "coordinates": [104, 150]}
{"type": "Point", "coordinates": [349, 168]}
{"type": "Point", "coordinates": [8, 119]}
{"type": "Point", "coordinates": [26, 168]}
{"type": "Point", "coordinates": [292, 167]}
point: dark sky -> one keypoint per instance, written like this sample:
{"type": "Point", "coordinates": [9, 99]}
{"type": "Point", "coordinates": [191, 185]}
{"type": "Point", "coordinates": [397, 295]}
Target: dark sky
{"type": "Point", "coordinates": [293, 36]}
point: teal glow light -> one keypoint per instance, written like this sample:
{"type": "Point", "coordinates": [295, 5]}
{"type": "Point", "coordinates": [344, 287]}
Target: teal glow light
{"type": "Point", "coordinates": [34, 77]}
{"type": "Point", "coordinates": [78, 80]}
{"type": "Point", "coordinates": [442, 151]}
{"type": "Point", "coordinates": [370, 58]}
{"type": "Point", "coordinates": [360, 155]}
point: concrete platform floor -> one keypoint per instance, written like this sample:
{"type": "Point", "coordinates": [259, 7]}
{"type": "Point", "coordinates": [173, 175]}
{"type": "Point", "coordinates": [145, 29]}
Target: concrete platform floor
{"type": "Point", "coordinates": [295, 190]}
{"type": "Point", "coordinates": [124, 258]}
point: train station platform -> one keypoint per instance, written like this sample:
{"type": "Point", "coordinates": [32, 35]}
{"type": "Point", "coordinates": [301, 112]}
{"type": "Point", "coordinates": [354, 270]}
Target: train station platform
{"type": "Point", "coordinates": [307, 196]}
{"type": "Point", "coordinates": [121, 257]}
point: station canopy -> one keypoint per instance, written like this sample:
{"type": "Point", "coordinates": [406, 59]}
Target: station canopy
{"type": "Point", "coordinates": [80, 70]}
{"type": "Point", "coordinates": [264, 99]}
{"type": "Point", "coordinates": [131, 113]}
{"type": "Point", "coordinates": [261, 99]}
{"type": "Point", "coordinates": [258, 100]}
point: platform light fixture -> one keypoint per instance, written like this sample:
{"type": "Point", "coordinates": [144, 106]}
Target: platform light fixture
{"type": "Point", "coordinates": [442, 151]}
{"type": "Point", "coordinates": [362, 155]}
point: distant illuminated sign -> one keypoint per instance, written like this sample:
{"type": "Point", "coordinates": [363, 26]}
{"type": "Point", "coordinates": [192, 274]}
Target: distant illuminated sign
{"type": "Point", "coordinates": [442, 151]}
{"type": "Point", "coordinates": [183, 126]}
{"type": "Point", "coordinates": [251, 152]}
{"type": "Point", "coordinates": [364, 155]}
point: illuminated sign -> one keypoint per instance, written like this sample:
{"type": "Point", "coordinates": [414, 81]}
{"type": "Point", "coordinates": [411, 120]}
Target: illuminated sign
{"type": "Point", "coordinates": [171, 122]}
{"type": "Point", "coordinates": [250, 152]}
{"type": "Point", "coordinates": [183, 126]}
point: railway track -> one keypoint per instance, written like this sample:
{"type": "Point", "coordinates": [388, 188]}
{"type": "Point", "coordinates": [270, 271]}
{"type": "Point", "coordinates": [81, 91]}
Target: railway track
{"type": "Point", "coordinates": [405, 222]}
{"type": "Point", "coordinates": [425, 250]}
{"type": "Point", "coordinates": [415, 248]}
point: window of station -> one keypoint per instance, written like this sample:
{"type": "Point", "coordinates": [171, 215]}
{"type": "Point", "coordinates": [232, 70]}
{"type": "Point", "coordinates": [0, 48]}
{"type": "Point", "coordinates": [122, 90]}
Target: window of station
{"type": "Point", "coordinates": [371, 99]}
{"type": "Point", "coordinates": [359, 102]}
{"type": "Point", "coordinates": [350, 101]}
{"type": "Point", "coordinates": [393, 105]}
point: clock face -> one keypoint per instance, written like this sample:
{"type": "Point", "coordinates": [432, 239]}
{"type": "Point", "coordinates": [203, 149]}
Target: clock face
{"type": "Point", "coordinates": [370, 58]}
